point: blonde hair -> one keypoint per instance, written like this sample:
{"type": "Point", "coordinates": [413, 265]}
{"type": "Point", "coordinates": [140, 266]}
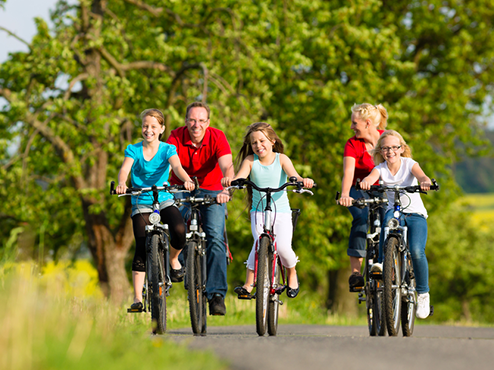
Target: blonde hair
{"type": "Point", "coordinates": [376, 113]}
{"type": "Point", "coordinates": [156, 113]}
{"type": "Point", "coordinates": [376, 152]}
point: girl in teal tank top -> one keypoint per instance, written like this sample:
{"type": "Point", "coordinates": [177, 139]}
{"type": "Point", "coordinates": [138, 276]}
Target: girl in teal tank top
{"type": "Point", "coordinates": [261, 157]}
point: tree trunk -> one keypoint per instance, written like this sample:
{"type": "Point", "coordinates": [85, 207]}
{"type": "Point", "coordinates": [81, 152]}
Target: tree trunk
{"type": "Point", "coordinates": [340, 300]}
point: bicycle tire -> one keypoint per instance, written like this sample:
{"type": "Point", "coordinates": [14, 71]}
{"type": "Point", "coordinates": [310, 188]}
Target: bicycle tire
{"type": "Point", "coordinates": [195, 291]}
{"type": "Point", "coordinates": [369, 295]}
{"type": "Point", "coordinates": [392, 285]}
{"type": "Point", "coordinates": [274, 300]}
{"type": "Point", "coordinates": [409, 302]}
{"type": "Point", "coordinates": [380, 320]}
{"type": "Point", "coordinates": [262, 286]}
{"type": "Point", "coordinates": [158, 285]}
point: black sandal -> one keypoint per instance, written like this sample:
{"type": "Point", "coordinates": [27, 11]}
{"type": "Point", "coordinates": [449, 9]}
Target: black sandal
{"type": "Point", "coordinates": [177, 275]}
{"type": "Point", "coordinates": [242, 293]}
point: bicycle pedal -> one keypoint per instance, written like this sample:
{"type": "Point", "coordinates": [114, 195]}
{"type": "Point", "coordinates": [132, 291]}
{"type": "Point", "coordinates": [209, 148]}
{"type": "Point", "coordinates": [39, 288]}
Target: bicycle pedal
{"type": "Point", "coordinates": [135, 310]}
{"type": "Point", "coordinates": [432, 311]}
{"type": "Point", "coordinates": [280, 289]}
{"type": "Point", "coordinates": [378, 275]}
{"type": "Point", "coordinates": [356, 289]}
{"type": "Point", "coordinates": [246, 297]}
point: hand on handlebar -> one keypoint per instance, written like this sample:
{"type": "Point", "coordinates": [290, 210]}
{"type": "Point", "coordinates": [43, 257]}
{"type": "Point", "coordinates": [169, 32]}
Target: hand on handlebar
{"type": "Point", "coordinates": [345, 201]}
{"type": "Point", "coordinates": [223, 197]}
{"type": "Point", "coordinates": [308, 183]}
{"type": "Point", "coordinates": [190, 185]}
{"type": "Point", "coordinates": [121, 189]}
{"type": "Point", "coordinates": [425, 185]}
{"type": "Point", "coordinates": [226, 181]}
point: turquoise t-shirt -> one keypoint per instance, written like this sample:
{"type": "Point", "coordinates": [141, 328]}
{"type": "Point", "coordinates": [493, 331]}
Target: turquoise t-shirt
{"type": "Point", "coordinates": [148, 173]}
{"type": "Point", "coordinates": [271, 176]}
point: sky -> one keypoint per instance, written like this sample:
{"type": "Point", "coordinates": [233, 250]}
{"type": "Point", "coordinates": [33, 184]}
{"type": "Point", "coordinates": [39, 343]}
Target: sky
{"type": "Point", "coordinates": [18, 17]}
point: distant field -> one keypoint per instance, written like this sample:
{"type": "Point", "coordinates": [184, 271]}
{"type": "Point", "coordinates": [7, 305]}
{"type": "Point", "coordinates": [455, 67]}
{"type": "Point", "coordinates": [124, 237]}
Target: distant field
{"type": "Point", "coordinates": [482, 206]}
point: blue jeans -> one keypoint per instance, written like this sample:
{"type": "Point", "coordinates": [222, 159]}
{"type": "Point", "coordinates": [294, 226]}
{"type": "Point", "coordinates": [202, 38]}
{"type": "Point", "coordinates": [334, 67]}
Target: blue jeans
{"type": "Point", "coordinates": [358, 232]}
{"type": "Point", "coordinates": [417, 239]}
{"type": "Point", "coordinates": [213, 220]}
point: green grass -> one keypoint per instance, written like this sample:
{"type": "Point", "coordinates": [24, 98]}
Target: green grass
{"type": "Point", "coordinates": [44, 327]}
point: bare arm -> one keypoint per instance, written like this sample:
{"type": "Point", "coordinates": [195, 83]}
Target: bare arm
{"type": "Point", "coordinates": [242, 173]}
{"type": "Point", "coordinates": [425, 182]}
{"type": "Point", "coordinates": [290, 171]}
{"type": "Point", "coordinates": [346, 182]}
{"type": "Point", "coordinates": [370, 180]}
{"type": "Point", "coordinates": [180, 172]}
{"type": "Point", "coordinates": [123, 175]}
{"type": "Point", "coordinates": [226, 165]}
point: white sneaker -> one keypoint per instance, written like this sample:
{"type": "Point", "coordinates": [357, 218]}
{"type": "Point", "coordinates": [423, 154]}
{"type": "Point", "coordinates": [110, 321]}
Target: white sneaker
{"type": "Point", "coordinates": [423, 306]}
{"type": "Point", "coordinates": [377, 267]}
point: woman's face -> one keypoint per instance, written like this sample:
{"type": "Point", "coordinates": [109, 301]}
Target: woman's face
{"type": "Point", "coordinates": [261, 145]}
{"type": "Point", "coordinates": [359, 126]}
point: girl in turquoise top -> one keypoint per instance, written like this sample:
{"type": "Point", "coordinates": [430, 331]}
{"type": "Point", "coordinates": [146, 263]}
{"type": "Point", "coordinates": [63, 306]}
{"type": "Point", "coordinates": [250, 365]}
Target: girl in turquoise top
{"type": "Point", "coordinates": [261, 157]}
{"type": "Point", "coordinates": [149, 164]}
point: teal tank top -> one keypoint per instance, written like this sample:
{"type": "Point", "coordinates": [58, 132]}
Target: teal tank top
{"type": "Point", "coordinates": [271, 176]}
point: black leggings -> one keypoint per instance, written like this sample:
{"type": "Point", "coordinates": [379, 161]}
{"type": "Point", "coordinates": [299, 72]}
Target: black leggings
{"type": "Point", "coordinates": [176, 226]}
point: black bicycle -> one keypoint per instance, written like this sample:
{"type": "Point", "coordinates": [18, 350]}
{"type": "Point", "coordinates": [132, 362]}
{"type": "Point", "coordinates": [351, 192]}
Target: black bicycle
{"type": "Point", "coordinates": [196, 261]}
{"type": "Point", "coordinates": [269, 273]}
{"type": "Point", "coordinates": [399, 278]}
{"type": "Point", "coordinates": [372, 291]}
{"type": "Point", "coordinates": [157, 282]}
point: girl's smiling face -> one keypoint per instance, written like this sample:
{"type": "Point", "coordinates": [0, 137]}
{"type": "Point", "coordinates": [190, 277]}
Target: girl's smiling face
{"type": "Point", "coordinates": [151, 129]}
{"type": "Point", "coordinates": [261, 145]}
{"type": "Point", "coordinates": [391, 149]}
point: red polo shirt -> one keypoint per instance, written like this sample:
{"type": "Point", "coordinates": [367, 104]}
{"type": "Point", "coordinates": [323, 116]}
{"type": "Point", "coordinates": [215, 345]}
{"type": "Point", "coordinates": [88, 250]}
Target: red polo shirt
{"type": "Point", "coordinates": [201, 162]}
{"type": "Point", "coordinates": [364, 163]}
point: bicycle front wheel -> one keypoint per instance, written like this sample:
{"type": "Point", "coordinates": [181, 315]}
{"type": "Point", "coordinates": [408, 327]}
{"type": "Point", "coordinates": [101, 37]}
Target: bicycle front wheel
{"type": "Point", "coordinates": [409, 301]}
{"type": "Point", "coordinates": [156, 259]}
{"type": "Point", "coordinates": [195, 289]}
{"type": "Point", "coordinates": [274, 300]}
{"type": "Point", "coordinates": [262, 286]}
{"type": "Point", "coordinates": [392, 285]}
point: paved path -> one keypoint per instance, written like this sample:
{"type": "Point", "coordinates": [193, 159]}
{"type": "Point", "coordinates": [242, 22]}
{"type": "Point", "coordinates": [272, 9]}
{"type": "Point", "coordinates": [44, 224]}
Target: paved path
{"type": "Point", "coordinates": [347, 347]}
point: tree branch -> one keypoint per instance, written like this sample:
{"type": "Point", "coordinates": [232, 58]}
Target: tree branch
{"type": "Point", "coordinates": [15, 36]}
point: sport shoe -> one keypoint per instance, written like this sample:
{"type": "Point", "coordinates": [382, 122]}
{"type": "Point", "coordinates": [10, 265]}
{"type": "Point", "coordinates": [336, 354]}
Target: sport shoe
{"type": "Point", "coordinates": [356, 280]}
{"type": "Point", "coordinates": [217, 305]}
{"type": "Point", "coordinates": [377, 267]}
{"type": "Point", "coordinates": [423, 306]}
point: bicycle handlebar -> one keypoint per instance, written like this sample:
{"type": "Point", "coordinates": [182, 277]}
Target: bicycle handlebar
{"type": "Point", "coordinates": [241, 183]}
{"type": "Point", "coordinates": [206, 200]}
{"type": "Point", "coordinates": [396, 188]}
{"type": "Point", "coordinates": [364, 202]}
{"type": "Point", "coordinates": [138, 191]}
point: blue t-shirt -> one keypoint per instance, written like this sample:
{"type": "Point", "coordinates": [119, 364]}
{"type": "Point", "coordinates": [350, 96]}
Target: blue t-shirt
{"type": "Point", "coordinates": [271, 176]}
{"type": "Point", "coordinates": [148, 173]}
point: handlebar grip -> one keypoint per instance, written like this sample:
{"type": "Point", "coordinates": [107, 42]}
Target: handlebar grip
{"type": "Point", "coordinates": [357, 185]}
{"type": "Point", "coordinates": [196, 182]}
{"type": "Point", "coordinates": [112, 188]}
{"type": "Point", "coordinates": [237, 182]}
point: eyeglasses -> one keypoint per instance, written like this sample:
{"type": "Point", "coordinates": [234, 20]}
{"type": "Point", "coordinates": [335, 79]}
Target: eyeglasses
{"type": "Point", "coordinates": [193, 121]}
{"type": "Point", "coordinates": [394, 148]}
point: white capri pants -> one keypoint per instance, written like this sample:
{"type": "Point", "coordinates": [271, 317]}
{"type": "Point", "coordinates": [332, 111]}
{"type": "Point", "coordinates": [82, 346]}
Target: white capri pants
{"type": "Point", "coordinates": [283, 231]}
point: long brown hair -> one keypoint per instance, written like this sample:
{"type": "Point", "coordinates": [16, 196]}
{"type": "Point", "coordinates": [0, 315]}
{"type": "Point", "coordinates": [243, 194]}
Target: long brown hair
{"type": "Point", "coordinates": [246, 149]}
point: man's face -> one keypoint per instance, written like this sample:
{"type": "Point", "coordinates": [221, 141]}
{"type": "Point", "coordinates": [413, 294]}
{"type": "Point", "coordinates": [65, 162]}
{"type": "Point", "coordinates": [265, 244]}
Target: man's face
{"type": "Point", "coordinates": [197, 123]}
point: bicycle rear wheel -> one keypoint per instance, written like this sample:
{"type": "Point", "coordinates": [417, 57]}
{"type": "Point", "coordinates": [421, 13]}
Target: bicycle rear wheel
{"type": "Point", "coordinates": [392, 285]}
{"type": "Point", "coordinates": [195, 290]}
{"type": "Point", "coordinates": [262, 286]}
{"type": "Point", "coordinates": [409, 301]}
{"type": "Point", "coordinates": [274, 300]}
{"type": "Point", "coordinates": [156, 259]}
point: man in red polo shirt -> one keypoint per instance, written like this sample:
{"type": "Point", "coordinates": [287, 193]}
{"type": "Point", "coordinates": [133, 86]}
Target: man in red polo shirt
{"type": "Point", "coordinates": [205, 153]}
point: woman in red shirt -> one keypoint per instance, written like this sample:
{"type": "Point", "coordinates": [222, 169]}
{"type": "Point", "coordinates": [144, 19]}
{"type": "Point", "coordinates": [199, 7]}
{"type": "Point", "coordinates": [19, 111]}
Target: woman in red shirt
{"type": "Point", "coordinates": [368, 123]}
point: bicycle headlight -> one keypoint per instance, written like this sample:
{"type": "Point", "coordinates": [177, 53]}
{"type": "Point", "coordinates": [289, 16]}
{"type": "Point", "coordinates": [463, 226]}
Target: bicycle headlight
{"type": "Point", "coordinates": [155, 218]}
{"type": "Point", "coordinates": [393, 223]}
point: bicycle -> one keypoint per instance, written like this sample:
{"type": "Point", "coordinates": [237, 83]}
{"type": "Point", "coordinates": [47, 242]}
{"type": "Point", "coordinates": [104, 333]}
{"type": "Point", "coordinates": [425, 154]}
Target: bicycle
{"type": "Point", "coordinates": [372, 291]}
{"type": "Point", "coordinates": [157, 281]}
{"type": "Point", "coordinates": [399, 279]}
{"type": "Point", "coordinates": [196, 262]}
{"type": "Point", "coordinates": [269, 273]}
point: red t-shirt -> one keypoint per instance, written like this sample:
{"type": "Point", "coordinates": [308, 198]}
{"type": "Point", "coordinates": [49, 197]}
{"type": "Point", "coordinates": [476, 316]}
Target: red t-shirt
{"type": "Point", "coordinates": [200, 162]}
{"type": "Point", "coordinates": [364, 163]}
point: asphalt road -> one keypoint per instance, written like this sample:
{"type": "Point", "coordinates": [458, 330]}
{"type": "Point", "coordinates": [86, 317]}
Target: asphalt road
{"type": "Point", "coordinates": [346, 347]}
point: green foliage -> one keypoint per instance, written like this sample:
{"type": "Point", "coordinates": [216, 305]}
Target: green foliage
{"type": "Point", "coordinates": [72, 103]}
